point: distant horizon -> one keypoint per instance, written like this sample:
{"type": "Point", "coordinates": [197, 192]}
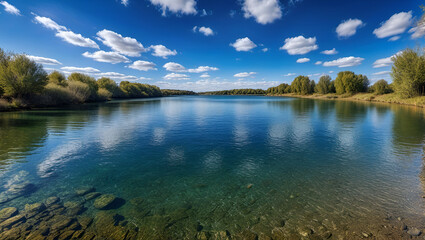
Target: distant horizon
{"type": "Point", "coordinates": [200, 46]}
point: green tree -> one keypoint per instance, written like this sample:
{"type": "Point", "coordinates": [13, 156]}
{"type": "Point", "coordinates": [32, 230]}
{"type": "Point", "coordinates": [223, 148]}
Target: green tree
{"type": "Point", "coordinates": [57, 78]}
{"type": "Point", "coordinates": [21, 77]}
{"type": "Point", "coordinates": [4, 60]}
{"type": "Point", "coordinates": [381, 87]}
{"type": "Point", "coordinates": [108, 84]}
{"type": "Point", "coordinates": [408, 73]}
{"type": "Point", "coordinates": [90, 81]}
{"type": "Point", "coordinates": [349, 82]}
{"type": "Point", "coordinates": [302, 85]}
{"type": "Point", "coordinates": [324, 85]}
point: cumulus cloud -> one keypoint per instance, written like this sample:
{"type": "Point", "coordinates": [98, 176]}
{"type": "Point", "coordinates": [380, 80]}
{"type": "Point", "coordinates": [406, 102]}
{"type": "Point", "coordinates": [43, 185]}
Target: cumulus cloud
{"type": "Point", "coordinates": [333, 51]}
{"type": "Point", "coordinates": [244, 74]}
{"type": "Point", "coordinates": [204, 30]}
{"type": "Point", "coordinates": [397, 24]}
{"type": "Point", "coordinates": [10, 8]}
{"type": "Point", "coordinates": [289, 74]}
{"type": "Point", "coordinates": [319, 63]}
{"type": "Point", "coordinates": [349, 27]}
{"type": "Point", "coordinates": [205, 75]}
{"type": "Point", "coordinates": [120, 77]}
{"type": "Point", "coordinates": [176, 76]}
{"type": "Point", "coordinates": [385, 62]}
{"type": "Point", "coordinates": [243, 45]}
{"type": "Point", "coordinates": [344, 62]}
{"type": "Point", "coordinates": [80, 69]}
{"type": "Point", "coordinates": [66, 34]}
{"type": "Point", "coordinates": [299, 45]}
{"type": "Point", "coordinates": [176, 6]}
{"type": "Point", "coordinates": [143, 65]}
{"type": "Point", "coordinates": [303, 60]}
{"type": "Point", "coordinates": [125, 2]}
{"type": "Point", "coordinates": [381, 73]}
{"type": "Point", "coordinates": [176, 67]}
{"type": "Point", "coordinates": [108, 57]}
{"type": "Point", "coordinates": [125, 45]}
{"type": "Point", "coordinates": [162, 51]}
{"type": "Point", "coordinates": [264, 11]}
{"type": "Point", "coordinates": [265, 49]}
{"type": "Point", "coordinates": [44, 60]}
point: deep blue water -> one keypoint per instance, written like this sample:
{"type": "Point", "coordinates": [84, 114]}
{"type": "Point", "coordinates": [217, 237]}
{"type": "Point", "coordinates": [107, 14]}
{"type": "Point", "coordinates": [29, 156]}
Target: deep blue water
{"type": "Point", "coordinates": [348, 163]}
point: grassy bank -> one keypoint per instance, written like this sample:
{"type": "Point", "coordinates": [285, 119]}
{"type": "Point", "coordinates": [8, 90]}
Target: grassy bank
{"type": "Point", "coordinates": [370, 97]}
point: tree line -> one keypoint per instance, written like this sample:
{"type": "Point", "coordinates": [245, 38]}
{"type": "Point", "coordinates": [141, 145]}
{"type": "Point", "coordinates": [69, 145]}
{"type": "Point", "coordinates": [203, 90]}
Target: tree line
{"type": "Point", "coordinates": [247, 91]}
{"type": "Point", "coordinates": [408, 74]}
{"type": "Point", "coordinates": [24, 83]}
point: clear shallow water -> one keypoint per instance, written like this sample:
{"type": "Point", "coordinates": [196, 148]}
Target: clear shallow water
{"type": "Point", "coordinates": [345, 165]}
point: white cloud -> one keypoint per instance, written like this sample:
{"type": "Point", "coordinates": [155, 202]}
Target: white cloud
{"type": "Point", "coordinates": [49, 23]}
{"type": "Point", "coordinates": [80, 69]}
{"type": "Point", "coordinates": [143, 65]}
{"type": "Point", "coordinates": [289, 74]}
{"type": "Point", "coordinates": [395, 38]}
{"type": "Point", "coordinates": [108, 57]}
{"type": "Point", "coordinates": [381, 73]}
{"type": "Point", "coordinates": [124, 2]}
{"type": "Point", "coordinates": [418, 31]}
{"type": "Point", "coordinates": [303, 60]}
{"type": "Point", "coordinates": [397, 24]}
{"type": "Point", "coordinates": [176, 67]}
{"type": "Point", "coordinates": [243, 45]}
{"type": "Point", "coordinates": [44, 61]}
{"type": "Point", "coordinates": [162, 51]}
{"type": "Point", "coordinates": [120, 77]}
{"type": "Point", "coordinates": [385, 62]}
{"type": "Point", "coordinates": [299, 45]}
{"type": "Point", "coordinates": [176, 6]}
{"type": "Point", "coordinates": [344, 62]}
{"type": "Point", "coordinates": [204, 30]}
{"type": "Point", "coordinates": [176, 76]}
{"type": "Point", "coordinates": [205, 75]}
{"type": "Point", "coordinates": [333, 51]}
{"type": "Point", "coordinates": [265, 49]}
{"type": "Point", "coordinates": [264, 11]}
{"type": "Point", "coordinates": [125, 45]}
{"type": "Point", "coordinates": [66, 34]}
{"type": "Point", "coordinates": [319, 63]}
{"type": "Point", "coordinates": [245, 74]}
{"type": "Point", "coordinates": [348, 27]}
{"type": "Point", "coordinates": [76, 39]}
{"type": "Point", "coordinates": [10, 8]}
{"type": "Point", "coordinates": [202, 69]}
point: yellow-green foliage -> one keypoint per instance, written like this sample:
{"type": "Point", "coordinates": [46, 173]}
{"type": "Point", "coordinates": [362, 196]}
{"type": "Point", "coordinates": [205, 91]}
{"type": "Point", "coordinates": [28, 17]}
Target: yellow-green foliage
{"type": "Point", "coordinates": [381, 87]}
{"type": "Point", "coordinates": [21, 77]}
{"type": "Point", "coordinates": [349, 82]}
{"type": "Point", "coordinates": [57, 78]}
{"type": "Point", "coordinates": [138, 90]}
{"type": "Point", "coordinates": [103, 94]}
{"type": "Point", "coordinates": [89, 81]}
{"type": "Point", "coordinates": [408, 73]}
{"type": "Point", "coordinates": [79, 90]}
{"type": "Point", "coordinates": [302, 85]}
{"type": "Point", "coordinates": [108, 84]}
{"type": "Point", "coordinates": [325, 85]}
{"type": "Point", "coordinates": [281, 89]}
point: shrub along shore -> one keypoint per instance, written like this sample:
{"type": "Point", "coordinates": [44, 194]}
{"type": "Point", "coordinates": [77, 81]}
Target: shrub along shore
{"type": "Point", "coordinates": [25, 84]}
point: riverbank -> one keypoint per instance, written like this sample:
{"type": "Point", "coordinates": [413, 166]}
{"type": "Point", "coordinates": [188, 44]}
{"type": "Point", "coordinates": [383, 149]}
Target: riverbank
{"type": "Point", "coordinates": [368, 97]}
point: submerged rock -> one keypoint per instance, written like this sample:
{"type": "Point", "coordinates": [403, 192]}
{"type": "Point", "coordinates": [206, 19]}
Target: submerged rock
{"type": "Point", "coordinates": [105, 201]}
{"type": "Point", "coordinates": [84, 191]}
{"type": "Point", "coordinates": [92, 195]}
{"type": "Point", "coordinates": [414, 232]}
{"type": "Point", "coordinates": [305, 231]}
{"type": "Point", "coordinates": [73, 208]}
{"type": "Point", "coordinates": [249, 186]}
{"type": "Point", "coordinates": [11, 221]}
{"type": "Point", "coordinates": [6, 213]}
{"type": "Point", "coordinates": [52, 200]}
{"type": "Point", "coordinates": [33, 209]}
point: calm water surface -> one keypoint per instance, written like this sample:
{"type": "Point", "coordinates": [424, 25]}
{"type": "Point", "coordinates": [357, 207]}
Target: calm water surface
{"type": "Point", "coordinates": [231, 163]}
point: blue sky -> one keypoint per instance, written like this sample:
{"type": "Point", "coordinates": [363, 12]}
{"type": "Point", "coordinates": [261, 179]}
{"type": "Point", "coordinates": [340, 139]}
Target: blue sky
{"type": "Point", "coordinates": [212, 45]}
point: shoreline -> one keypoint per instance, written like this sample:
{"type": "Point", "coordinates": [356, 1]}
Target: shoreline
{"type": "Point", "coordinates": [390, 98]}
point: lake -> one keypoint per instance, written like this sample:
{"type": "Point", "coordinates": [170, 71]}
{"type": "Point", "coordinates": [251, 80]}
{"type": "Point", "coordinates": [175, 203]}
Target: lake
{"type": "Point", "coordinates": [217, 167]}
